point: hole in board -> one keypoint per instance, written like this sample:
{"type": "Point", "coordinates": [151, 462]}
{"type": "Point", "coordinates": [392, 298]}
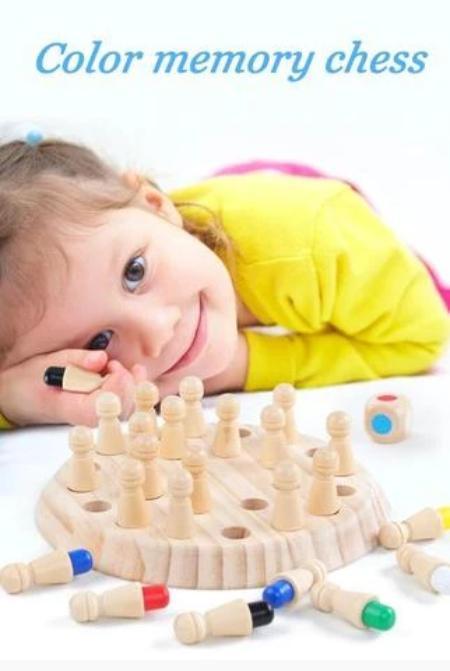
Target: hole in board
{"type": "Point", "coordinates": [311, 452]}
{"type": "Point", "coordinates": [235, 533]}
{"type": "Point", "coordinates": [244, 432]}
{"type": "Point", "coordinates": [345, 490]}
{"type": "Point", "coordinates": [97, 506]}
{"type": "Point", "coordinates": [254, 504]}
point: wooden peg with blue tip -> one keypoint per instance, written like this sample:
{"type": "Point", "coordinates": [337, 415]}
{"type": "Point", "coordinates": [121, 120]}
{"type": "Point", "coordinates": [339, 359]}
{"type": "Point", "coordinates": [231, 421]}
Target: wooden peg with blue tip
{"type": "Point", "coordinates": [56, 568]}
{"type": "Point", "coordinates": [288, 588]}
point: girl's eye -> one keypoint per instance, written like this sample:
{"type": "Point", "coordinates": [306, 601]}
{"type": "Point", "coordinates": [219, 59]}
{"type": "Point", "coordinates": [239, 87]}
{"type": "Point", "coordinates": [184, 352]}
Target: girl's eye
{"type": "Point", "coordinates": [134, 273]}
{"type": "Point", "coordinates": [101, 340]}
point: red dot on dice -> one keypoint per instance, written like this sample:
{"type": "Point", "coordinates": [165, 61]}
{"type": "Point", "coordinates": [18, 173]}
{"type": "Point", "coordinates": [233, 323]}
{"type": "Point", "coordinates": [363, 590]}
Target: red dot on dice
{"type": "Point", "coordinates": [155, 596]}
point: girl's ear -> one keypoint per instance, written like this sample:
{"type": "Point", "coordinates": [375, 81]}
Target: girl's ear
{"type": "Point", "coordinates": [131, 179]}
{"type": "Point", "coordinates": [149, 195]}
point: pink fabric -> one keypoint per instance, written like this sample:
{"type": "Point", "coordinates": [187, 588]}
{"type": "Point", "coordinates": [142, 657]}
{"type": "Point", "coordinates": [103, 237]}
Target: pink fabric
{"type": "Point", "coordinates": [307, 171]}
{"type": "Point", "coordinates": [287, 167]}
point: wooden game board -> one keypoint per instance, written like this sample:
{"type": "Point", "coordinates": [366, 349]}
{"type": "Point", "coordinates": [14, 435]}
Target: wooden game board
{"type": "Point", "coordinates": [235, 545]}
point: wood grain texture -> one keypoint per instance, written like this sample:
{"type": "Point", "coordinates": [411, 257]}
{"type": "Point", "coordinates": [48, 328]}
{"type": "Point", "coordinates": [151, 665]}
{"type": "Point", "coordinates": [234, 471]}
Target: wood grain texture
{"type": "Point", "coordinates": [234, 545]}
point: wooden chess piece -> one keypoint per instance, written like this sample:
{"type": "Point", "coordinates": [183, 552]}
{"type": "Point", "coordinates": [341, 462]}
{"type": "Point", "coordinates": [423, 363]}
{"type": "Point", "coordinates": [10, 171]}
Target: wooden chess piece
{"type": "Point", "coordinates": [227, 440]}
{"type": "Point", "coordinates": [180, 521]}
{"type": "Point", "coordinates": [362, 610]}
{"type": "Point", "coordinates": [55, 568]}
{"type": "Point", "coordinates": [287, 510]}
{"type": "Point", "coordinates": [274, 444]}
{"type": "Point", "coordinates": [289, 588]}
{"type": "Point", "coordinates": [338, 426]}
{"type": "Point", "coordinates": [146, 397]}
{"type": "Point", "coordinates": [323, 497]}
{"type": "Point", "coordinates": [284, 395]}
{"type": "Point", "coordinates": [432, 572]}
{"type": "Point", "coordinates": [235, 618]}
{"type": "Point", "coordinates": [195, 461]}
{"type": "Point", "coordinates": [145, 448]}
{"type": "Point", "coordinates": [140, 423]}
{"type": "Point", "coordinates": [110, 440]}
{"type": "Point", "coordinates": [128, 601]}
{"type": "Point", "coordinates": [173, 436]}
{"type": "Point", "coordinates": [132, 509]}
{"type": "Point", "coordinates": [426, 524]}
{"type": "Point", "coordinates": [191, 391]}
{"type": "Point", "coordinates": [83, 475]}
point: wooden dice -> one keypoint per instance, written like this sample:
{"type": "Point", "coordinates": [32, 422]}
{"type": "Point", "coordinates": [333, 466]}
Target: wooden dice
{"type": "Point", "coordinates": [388, 418]}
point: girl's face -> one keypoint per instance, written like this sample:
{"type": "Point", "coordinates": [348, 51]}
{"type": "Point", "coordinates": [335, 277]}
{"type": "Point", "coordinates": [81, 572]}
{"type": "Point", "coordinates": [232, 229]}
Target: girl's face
{"type": "Point", "coordinates": [145, 290]}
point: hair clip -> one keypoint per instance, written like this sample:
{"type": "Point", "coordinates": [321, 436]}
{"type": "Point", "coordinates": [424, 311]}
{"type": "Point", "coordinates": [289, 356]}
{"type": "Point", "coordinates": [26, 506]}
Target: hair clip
{"type": "Point", "coordinates": [34, 137]}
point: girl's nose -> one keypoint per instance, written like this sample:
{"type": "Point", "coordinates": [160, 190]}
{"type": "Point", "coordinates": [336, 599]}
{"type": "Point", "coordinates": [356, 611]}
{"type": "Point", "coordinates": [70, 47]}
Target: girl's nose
{"type": "Point", "coordinates": [156, 330]}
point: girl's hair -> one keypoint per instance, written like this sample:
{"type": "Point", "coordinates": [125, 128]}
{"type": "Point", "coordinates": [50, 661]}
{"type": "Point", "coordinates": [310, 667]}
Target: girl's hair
{"type": "Point", "coordinates": [48, 189]}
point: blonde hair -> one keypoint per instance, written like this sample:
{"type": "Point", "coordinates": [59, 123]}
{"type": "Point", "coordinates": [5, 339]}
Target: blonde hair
{"type": "Point", "coordinates": [45, 188]}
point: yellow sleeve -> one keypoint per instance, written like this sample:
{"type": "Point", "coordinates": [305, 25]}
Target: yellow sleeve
{"type": "Point", "coordinates": [4, 424]}
{"type": "Point", "coordinates": [360, 305]}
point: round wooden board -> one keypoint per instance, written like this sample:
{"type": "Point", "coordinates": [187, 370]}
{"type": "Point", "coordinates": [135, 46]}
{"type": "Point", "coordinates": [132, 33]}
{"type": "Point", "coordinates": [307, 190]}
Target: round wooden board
{"type": "Point", "coordinates": [234, 545]}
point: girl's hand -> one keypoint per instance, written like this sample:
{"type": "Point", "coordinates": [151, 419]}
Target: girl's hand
{"type": "Point", "coordinates": [26, 399]}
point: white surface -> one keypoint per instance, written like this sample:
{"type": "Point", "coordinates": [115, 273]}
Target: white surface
{"type": "Point", "coordinates": [388, 134]}
{"type": "Point", "coordinates": [414, 474]}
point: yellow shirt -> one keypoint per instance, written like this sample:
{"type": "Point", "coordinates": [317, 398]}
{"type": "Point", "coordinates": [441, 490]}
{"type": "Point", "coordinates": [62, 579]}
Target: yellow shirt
{"type": "Point", "coordinates": [315, 258]}
{"type": "Point", "coordinates": [4, 424]}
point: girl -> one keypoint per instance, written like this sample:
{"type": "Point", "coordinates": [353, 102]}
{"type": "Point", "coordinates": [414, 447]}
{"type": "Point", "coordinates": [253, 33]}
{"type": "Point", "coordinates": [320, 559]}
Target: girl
{"type": "Point", "coordinates": [107, 272]}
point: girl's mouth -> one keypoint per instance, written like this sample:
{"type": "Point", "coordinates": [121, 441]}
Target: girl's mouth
{"type": "Point", "coordinates": [197, 344]}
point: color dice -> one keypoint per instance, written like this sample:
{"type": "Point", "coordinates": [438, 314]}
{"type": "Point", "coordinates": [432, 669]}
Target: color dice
{"type": "Point", "coordinates": [388, 418]}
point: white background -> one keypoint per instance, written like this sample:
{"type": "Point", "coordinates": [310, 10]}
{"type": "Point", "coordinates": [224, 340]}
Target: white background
{"type": "Point", "coordinates": [388, 133]}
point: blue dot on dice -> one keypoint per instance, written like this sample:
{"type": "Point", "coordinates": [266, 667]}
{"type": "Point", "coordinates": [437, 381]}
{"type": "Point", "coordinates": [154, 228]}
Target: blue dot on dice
{"type": "Point", "coordinates": [381, 424]}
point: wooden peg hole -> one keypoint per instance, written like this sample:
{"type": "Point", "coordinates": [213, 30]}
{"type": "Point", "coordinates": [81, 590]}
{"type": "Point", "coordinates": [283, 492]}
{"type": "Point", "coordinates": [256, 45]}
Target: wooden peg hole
{"type": "Point", "coordinates": [345, 490]}
{"type": "Point", "coordinates": [244, 432]}
{"type": "Point", "coordinates": [254, 504]}
{"type": "Point", "coordinates": [97, 506]}
{"type": "Point", "coordinates": [235, 533]}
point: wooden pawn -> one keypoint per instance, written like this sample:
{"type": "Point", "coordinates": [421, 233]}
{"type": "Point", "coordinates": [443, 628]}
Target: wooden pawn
{"type": "Point", "coordinates": [231, 619]}
{"type": "Point", "coordinates": [173, 436]}
{"type": "Point", "coordinates": [424, 525]}
{"type": "Point", "coordinates": [302, 579]}
{"type": "Point", "coordinates": [345, 604]}
{"type": "Point", "coordinates": [140, 423]}
{"type": "Point", "coordinates": [132, 510]}
{"type": "Point", "coordinates": [83, 475]}
{"type": "Point", "coordinates": [180, 520]}
{"type": "Point", "coordinates": [110, 440]}
{"type": "Point", "coordinates": [284, 396]}
{"type": "Point", "coordinates": [323, 498]}
{"type": "Point", "coordinates": [274, 444]}
{"type": "Point", "coordinates": [191, 391]}
{"type": "Point", "coordinates": [195, 461]}
{"type": "Point", "coordinates": [145, 448]}
{"type": "Point", "coordinates": [287, 509]}
{"type": "Point", "coordinates": [54, 568]}
{"type": "Point", "coordinates": [130, 601]}
{"type": "Point", "coordinates": [146, 397]}
{"type": "Point", "coordinates": [227, 440]}
{"type": "Point", "coordinates": [338, 426]}
{"type": "Point", "coordinates": [432, 572]}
